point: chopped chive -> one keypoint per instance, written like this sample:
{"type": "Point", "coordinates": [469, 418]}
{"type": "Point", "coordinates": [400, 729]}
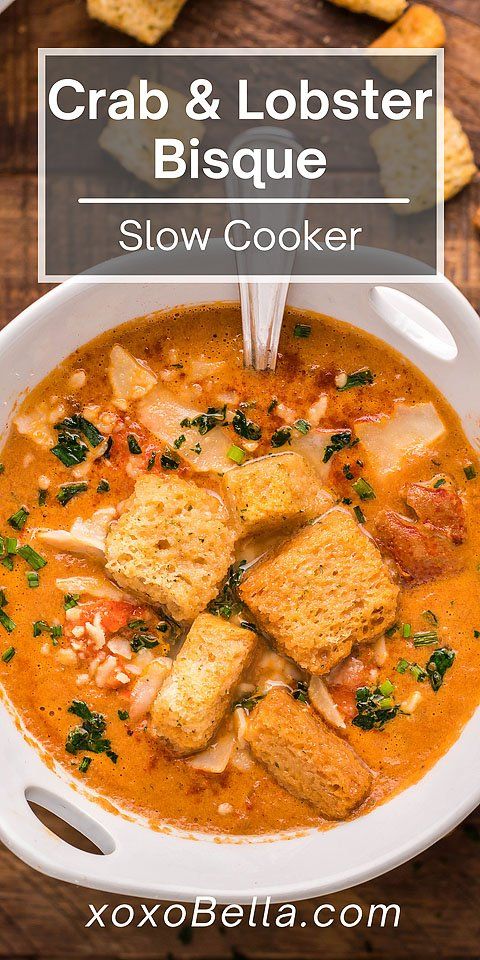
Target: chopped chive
{"type": "Point", "coordinates": [133, 445]}
{"type": "Point", "coordinates": [7, 562]}
{"type": "Point", "coordinates": [169, 460]}
{"type": "Point", "coordinates": [425, 638]}
{"type": "Point", "coordinates": [402, 665]}
{"type": "Point", "coordinates": [470, 471]}
{"type": "Point", "coordinates": [71, 600]}
{"type": "Point", "coordinates": [364, 490]}
{"type": "Point", "coordinates": [476, 634]}
{"type": "Point", "coordinates": [358, 379]}
{"type": "Point", "coordinates": [391, 630]}
{"type": "Point", "coordinates": [39, 627]}
{"type": "Point", "coordinates": [33, 579]}
{"type": "Point", "coordinates": [103, 486]}
{"type": "Point", "coordinates": [359, 514]}
{"type": "Point", "coordinates": [56, 631]}
{"type": "Point", "coordinates": [302, 331]}
{"type": "Point", "coordinates": [10, 545]}
{"type": "Point", "coordinates": [32, 557]}
{"type": "Point", "coordinates": [271, 406]}
{"type": "Point", "coordinates": [6, 621]}
{"type": "Point", "coordinates": [42, 497]}
{"type": "Point", "coordinates": [19, 519]}
{"type": "Point", "coordinates": [84, 764]}
{"type": "Point", "coordinates": [236, 454]}
{"type": "Point", "coordinates": [151, 460]}
{"type": "Point", "coordinates": [178, 442]}
{"type": "Point", "coordinates": [302, 426]}
{"type": "Point", "coordinates": [123, 715]}
{"type": "Point", "coordinates": [406, 630]}
{"type": "Point", "coordinates": [2, 468]}
{"type": "Point", "coordinates": [70, 490]}
{"type": "Point", "coordinates": [8, 654]}
{"type": "Point", "coordinates": [439, 483]}
{"type": "Point", "coordinates": [430, 617]}
{"type": "Point", "coordinates": [108, 450]}
{"type": "Point", "coordinates": [386, 688]}
{"type": "Point", "coordinates": [3, 598]}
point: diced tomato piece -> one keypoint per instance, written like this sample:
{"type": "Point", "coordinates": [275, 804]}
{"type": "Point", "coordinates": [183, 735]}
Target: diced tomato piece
{"type": "Point", "coordinates": [438, 505]}
{"type": "Point", "coordinates": [114, 614]}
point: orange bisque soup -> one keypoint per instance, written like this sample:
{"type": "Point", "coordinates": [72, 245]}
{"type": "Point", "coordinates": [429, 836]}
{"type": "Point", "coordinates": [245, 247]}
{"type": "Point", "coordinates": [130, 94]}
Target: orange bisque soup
{"type": "Point", "coordinates": [240, 602]}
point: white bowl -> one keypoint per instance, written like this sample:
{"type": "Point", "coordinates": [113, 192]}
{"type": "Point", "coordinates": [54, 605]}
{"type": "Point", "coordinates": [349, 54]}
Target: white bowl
{"type": "Point", "coordinates": [169, 864]}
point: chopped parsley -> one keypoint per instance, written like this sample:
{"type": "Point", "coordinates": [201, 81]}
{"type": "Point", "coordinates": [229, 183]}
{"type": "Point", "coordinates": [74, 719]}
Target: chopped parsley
{"type": "Point", "coordinates": [75, 433]}
{"type": "Point", "coordinates": [19, 519]}
{"type": "Point", "coordinates": [364, 489]}
{"type": "Point", "coordinates": [133, 445]}
{"type": "Point", "coordinates": [103, 486]}
{"type": "Point", "coordinates": [205, 422]}
{"type": "Point", "coordinates": [170, 460]}
{"type": "Point", "coordinates": [338, 441]}
{"type": "Point", "coordinates": [34, 560]}
{"type": "Point", "coordinates": [470, 471]}
{"type": "Point", "coordinates": [440, 661]}
{"type": "Point", "coordinates": [84, 764]}
{"type": "Point", "coordinates": [281, 437]}
{"type": "Point", "coordinates": [8, 654]}
{"type": "Point", "coordinates": [271, 406]}
{"type": "Point", "coordinates": [358, 379]}
{"type": "Point", "coordinates": [392, 630]}
{"type": "Point", "coordinates": [227, 602]}
{"type": "Point", "coordinates": [178, 442]}
{"type": "Point", "coordinates": [197, 449]}
{"type": "Point", "coordinates": [143, 641]}
{"type": "Point", "coordinates": [70, 490]}
{"type": "Point", "coordinates": [301, 692]}
{"type": "Point", "coordinates": [248, 703]}
{"type": "Point", "coordinates": [375, 706]}
{"type": "Point", "coordinates": [123, 715]}
{"type": "Point", "coordinates": [302, 331]}
{"type": "Point", "coordinates": [247, 429]}
{"type": "Point", "coordinates": [88, 736]}
{"type": "Point", "coordinates": [439, 483]}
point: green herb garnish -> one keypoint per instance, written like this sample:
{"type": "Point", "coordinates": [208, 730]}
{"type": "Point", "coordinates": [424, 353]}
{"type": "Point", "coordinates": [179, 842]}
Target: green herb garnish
{"type": "Point", "coordinates": [33, 579]}
{"type": "Point", "coordinates": [470, 471]}
{"type": "Point", "coordinates": [133, 445]}
{"type": "Point", "coordinates": [302, 331]}
{"type": "Point", "coordinates": [303, 426]}
{"type": "Point", "coordinates": [281, 437]}
{"type": "Point", "coordinates": [151, 461]}
{"type": "Point", "coordinates": [88, 736]}
{"type": "Point", "coordinates": [19, 519]}
{"type": "Point", "coordinates": [71, 448]}
{"type": "Point", "coordinates": [375, 708]}
{"type": "Point", "coordinates": [440, 661]}
{"type": "Point", "coordinates": [424, 638]}
{"type": "Point", "coordinates": [363, 489]}
{"type": "Point", "coordinates": [70, 600]}
{"type": "Point", "coordinates": [170, 460]}
{"type": "Point", "coordinates": [8, 654]}
{"type": "Point", "coordinates": [6, 621]}
{"type": "Point", "coordinates": [430, 617]}
{"type": "Point", "coordinates": [236, 454]}
{"type": "Point", "coordinates": [359, 514]}
{"type": "Point", "coordinates": [247, 429]}
{"type": "Point", "coordinates": [143, 641]}
{"type": "Point", "coordinates": [103, 486]}
{"type": "Point", "coordinates": [123, 715]}
{"type": "Point", "coordinates": [301, 692]}
{"type": "Point", "coordinates": [358, 379]}
{"type": "Point", "coordinates": [271, 406]}
{"type": "Point", "coordinates": [84, 765]}
{"type": "Point", "coordinates": [178, 442]}
{"type": "Point", "coordinates": [248, 703]}
{"type": "Point", "coordinates": [205, 422]}
{"type": "Point", "coordinates": [42, 497]}
{"type": "Point", "coordinates": [439, 483]}
{"type": "Point", "coordinates": [414, 668]}
{"type": "Point", "coordinates": [70, 490]}
{"type": "Point", "coordinates": [406, 631]}
{"type": "Point", "coordinates": [34, 560]}
{"type": "Point", "coordinates": [228, 602]}
{"type": "Point", "coordinates": [338, 441]}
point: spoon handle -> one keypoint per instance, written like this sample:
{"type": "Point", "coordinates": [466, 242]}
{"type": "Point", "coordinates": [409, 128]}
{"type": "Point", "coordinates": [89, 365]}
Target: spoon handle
{"type": "Point", "coordinates": [263, 298]}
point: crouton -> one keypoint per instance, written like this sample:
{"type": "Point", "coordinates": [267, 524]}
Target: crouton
{"type": "Point", "coordinates": [405, 157]}
{"type": "Point", "coordinates": [419, 27]}
{"type": "Point", "coordinates": [171, 545]}
{"type": "Point", "coordinates": [198, 691]}
{"type": "Point", "coordinates": [146, 20]}
{"type": "Point", "coordinates": [324, 590]}
{"type": "Point", "coordinates": [306, 758]}
{"type": "Point", "coordinates": [476, 219]}
{"type": "Point", "coordinates": [274, 490]}
{"type": "Point", "coordinates": [132, 142]}
{"type": "Point", "coordinates": [388, 10]}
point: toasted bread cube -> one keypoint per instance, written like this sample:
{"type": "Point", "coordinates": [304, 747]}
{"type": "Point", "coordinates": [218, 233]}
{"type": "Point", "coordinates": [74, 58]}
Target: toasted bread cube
{"type": "Point", "coordinates": [146, 20]}
{"type": "Point", "coordinates": [419, 27]}
{"type": "Point", "coordinates": [272, 491]}
{"type": "Point", "coordinates": [321, 592]}
{"type": "Point", "coordinates": [194, 698]}
{"type": "Point", "coordinates": [306, 757]}
{"type": "Point", "coordinates": [404, 154]}
{"type": "Point", "coordinates": [132, 142]}
{"type": "Point", "coordinates": [171, 545]}
{"type": "Point", "coordinates": [388, 10]}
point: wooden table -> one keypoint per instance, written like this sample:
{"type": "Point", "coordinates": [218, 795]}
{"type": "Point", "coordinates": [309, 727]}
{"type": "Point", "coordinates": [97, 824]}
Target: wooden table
{"type": "Point", "coordinates": [439, 892]}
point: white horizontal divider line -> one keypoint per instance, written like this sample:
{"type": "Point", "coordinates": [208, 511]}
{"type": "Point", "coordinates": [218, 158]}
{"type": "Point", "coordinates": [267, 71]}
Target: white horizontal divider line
{"type": "Point", "coordinates": [229, 200]}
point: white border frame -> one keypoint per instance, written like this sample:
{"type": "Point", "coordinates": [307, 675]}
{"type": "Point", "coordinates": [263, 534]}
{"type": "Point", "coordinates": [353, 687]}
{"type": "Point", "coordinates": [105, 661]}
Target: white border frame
{"type": "Point", "coordinates": [44, 52]}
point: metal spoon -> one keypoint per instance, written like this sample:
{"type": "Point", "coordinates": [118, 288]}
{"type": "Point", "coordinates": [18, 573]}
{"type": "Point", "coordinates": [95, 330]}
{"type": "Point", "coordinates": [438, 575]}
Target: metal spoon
{"type": "Point", "coordinates": [263, 298]}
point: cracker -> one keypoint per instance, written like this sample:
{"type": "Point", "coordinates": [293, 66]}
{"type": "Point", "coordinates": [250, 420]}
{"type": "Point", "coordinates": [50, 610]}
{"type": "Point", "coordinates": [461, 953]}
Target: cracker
{"type": "Point", "coordinates": [146, 20]}
{"type": "Point", "coordinates": [402, 151]}
{"type": "Point", "coordinates": [419, 27]}
{"type": "Point", "coordinates": [388, 10]}
{"type": "Point", "coordinates": [132, 142]}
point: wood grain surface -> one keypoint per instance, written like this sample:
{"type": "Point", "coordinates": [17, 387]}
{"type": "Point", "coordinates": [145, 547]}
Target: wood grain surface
{"type": "Point", "coordinates": [438, 892]}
